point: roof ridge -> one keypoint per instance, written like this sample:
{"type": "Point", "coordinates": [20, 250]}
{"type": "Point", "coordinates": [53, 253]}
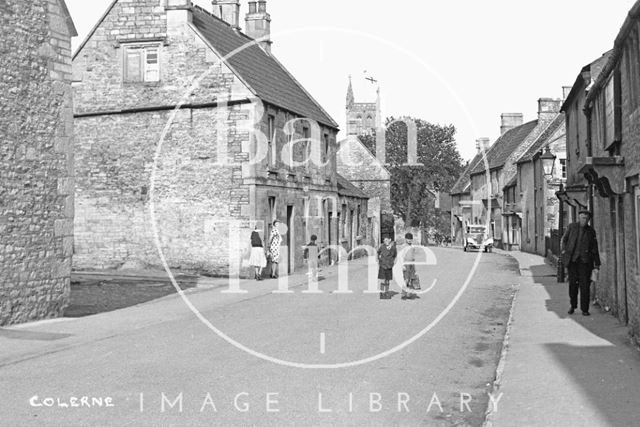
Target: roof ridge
{"type": "Point", "coordinates": [552, 126]}
{"type": "Point", "coordinates": [211, 15]}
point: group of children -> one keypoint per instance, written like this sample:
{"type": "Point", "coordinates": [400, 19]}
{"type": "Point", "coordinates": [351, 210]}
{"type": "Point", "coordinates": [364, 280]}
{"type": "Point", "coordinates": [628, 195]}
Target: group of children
{"type": "Point", "coordinates": [387, 254]}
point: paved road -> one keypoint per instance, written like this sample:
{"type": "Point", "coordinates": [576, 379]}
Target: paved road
{"type": "Point", "coordinates": [139, 355]}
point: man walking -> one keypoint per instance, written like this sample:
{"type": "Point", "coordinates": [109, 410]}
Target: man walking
{"type": "Point", "coordinates": [580, 254]}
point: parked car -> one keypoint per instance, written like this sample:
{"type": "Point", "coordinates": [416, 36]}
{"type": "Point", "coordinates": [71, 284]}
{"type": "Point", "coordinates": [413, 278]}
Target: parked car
{"type": "Point", "coordinates": [477, 237]}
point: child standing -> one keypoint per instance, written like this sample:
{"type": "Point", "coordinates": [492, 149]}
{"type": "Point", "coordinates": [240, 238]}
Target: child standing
{"type": "Point", "coordinates": [411, 279]}
{"type": "Point", "coordinates": [311, 257]}
{"type": "Point", "coordinates": [386, 259]}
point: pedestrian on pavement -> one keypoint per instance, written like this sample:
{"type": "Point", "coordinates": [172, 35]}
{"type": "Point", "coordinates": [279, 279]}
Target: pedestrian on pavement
{"type": "Point", "coordinates": [257, 259]}
{"type": "Point", "coordinates": [311, 257]}
{"type": "Point", "coordinates": [579, 248]}
{"type": "Point", "coordinates": [274, 249]}
{"type": "Point", "coordinates": [411, 279]}
{"type": "Point", "coordinates": [387, 254]}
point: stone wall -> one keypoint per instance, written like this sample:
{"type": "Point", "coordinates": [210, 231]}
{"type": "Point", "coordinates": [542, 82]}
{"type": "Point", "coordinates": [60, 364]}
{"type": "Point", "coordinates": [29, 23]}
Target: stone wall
{"type": "Point", "coordinates": [207, 196]}
{"type": "Point", "coordinates": [36, 160]}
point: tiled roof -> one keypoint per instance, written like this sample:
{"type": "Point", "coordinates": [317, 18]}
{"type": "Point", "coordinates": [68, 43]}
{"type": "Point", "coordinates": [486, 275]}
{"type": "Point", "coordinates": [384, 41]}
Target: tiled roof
{"type": "Point", "coordinates": [505, 146]}
{"type": "Point", "coordinates": [543, 139]}
{"type": "Point", "coordinates": [595, 68]}
{"type": "Point", "coordinates": [267, 77]}
{"type": "Point", "coordinates": [465, 179]}
{"type": "Point", "coordinates": [345, 188]}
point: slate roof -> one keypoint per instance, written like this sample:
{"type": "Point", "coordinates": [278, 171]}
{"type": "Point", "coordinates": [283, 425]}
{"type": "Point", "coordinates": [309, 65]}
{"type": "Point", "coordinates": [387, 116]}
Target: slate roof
{"type": "Point", "coordinates": [346, 188]}
{"type": "Point", "coordinates": [595, 68]}
{"type": "Point", "coordinates": [505, 145]}
{"type": "Point", "coordinates": [462, 184]}
{"type": "Point", "coordinates": [261, 71]}
{"type": "Point", "coordinates": [542, 140]}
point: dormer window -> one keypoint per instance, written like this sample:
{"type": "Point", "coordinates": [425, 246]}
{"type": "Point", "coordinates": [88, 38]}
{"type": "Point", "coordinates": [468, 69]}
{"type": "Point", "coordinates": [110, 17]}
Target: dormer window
{"type": "Point", "coordinates": [142, 63]}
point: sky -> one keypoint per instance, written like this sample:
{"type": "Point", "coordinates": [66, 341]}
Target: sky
{"type": "Point", "coordinates": [460, 62]}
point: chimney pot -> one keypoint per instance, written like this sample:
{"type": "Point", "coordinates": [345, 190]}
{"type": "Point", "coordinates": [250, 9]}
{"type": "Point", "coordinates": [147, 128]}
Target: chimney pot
{"type": "Point", "coordinates": [228, 11]}
{"type": "Point", "coordinates": [258, 24]}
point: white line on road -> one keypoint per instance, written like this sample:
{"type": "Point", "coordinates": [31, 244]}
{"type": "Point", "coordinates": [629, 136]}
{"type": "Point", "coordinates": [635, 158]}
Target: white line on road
{"type": "Point", "coordinates": [322, 343]}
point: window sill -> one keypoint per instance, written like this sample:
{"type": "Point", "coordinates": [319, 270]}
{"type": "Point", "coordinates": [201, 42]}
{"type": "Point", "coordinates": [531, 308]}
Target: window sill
{"type": "Point", "coordinates": [150, 84]}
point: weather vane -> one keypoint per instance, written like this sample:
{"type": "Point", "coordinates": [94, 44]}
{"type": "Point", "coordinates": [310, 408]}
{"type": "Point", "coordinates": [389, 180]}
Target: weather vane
{"type": "Point", "coordinates": [370, 78]}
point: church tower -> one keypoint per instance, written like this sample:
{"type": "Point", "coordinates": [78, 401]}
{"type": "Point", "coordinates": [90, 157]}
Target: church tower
{"type": "Point", "coordinates": [363, 118]}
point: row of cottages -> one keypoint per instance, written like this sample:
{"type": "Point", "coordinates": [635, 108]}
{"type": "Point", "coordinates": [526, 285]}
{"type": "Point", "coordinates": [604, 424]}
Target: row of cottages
{"type": "Point", "coordinates": [603, 149]}
{"type": "Point", "coordinates": [36, 160]}
{"type": "Point", "coordinates": [531, 208]}
{"type": "Point", "coordinates": [190, 134]}
{"type": "Point", "coordinates": [498, 167]}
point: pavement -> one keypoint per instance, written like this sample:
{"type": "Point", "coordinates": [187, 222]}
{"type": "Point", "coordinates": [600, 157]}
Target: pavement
{"type": "Point", "coordinates": [559, 369]}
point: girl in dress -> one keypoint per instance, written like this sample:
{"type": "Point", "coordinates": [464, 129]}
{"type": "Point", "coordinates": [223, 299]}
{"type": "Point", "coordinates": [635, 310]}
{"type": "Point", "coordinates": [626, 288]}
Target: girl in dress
{"type": "Point", "coordinates": [257, 259]}
{"type": "Point", "coordinates": [274, 249]}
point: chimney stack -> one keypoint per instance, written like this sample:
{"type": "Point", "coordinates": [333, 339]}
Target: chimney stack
{"type": "Point", "coordinates": [483, 144]}
{"type": "Point", "coordinates": [228, 11]}
{"type": "Point", "coordinates": [510, 121]}
{"type": "Point", "coordinates": [566, 90]}
{"type": "Point", "coordinates": [548, 109]}
{"type": "Point", "coordinates": [258, 24]}
{"type": "Point", "coordinates": [178, 14]}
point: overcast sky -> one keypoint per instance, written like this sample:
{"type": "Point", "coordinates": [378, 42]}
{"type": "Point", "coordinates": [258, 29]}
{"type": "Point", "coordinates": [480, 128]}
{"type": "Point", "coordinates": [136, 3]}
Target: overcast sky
{"type": "Point", "coordinates": [460, 62]}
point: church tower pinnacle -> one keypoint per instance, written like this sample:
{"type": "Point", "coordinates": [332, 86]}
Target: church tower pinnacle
{"type": "Point", "coordinates": [350, 97]}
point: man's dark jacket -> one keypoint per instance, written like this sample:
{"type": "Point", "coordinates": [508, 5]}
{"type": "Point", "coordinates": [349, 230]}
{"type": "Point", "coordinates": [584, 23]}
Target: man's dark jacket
{"type": "Point", "coordinates": [587, 249]}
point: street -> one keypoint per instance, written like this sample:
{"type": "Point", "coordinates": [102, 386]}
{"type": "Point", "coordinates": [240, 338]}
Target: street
{"type": "Point", "coordinates": [161, 365]}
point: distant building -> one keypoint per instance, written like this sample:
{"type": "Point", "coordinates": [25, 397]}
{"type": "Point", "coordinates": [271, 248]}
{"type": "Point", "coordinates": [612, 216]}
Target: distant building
{"type": "Point", "coordinates": [358, 165]}
{"type": "Point", "coordinates": [131, 73]}
{"type": "Point", "coordinates": [36, 160]}
{"type": "Point", "coordinates": [531, 206]}
{"type": "Point", "coordinates": [363, 118]}
{"type": "Point", "coordinates": [498, 168]}
{"type": "Point", "coordinates": [460, 195]}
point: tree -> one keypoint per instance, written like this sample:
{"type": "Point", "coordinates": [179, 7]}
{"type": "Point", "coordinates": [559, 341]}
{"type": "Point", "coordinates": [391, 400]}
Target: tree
{"type": "Point", "coordinates": [413, 186]}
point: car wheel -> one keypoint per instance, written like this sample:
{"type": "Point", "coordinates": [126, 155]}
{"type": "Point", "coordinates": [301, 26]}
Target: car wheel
{"type": "Point", "coordinates": [464, 249]}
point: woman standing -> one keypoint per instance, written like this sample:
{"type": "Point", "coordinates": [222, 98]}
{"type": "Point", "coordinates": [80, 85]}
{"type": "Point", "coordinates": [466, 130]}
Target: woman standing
{"type": "Point", "coordinates": [274, 249]}
{"type": "Point", "coordinates": [257, 259]}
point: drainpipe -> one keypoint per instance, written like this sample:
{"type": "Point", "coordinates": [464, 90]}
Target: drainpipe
{"type": "Point", "coordinates": [587, 111]}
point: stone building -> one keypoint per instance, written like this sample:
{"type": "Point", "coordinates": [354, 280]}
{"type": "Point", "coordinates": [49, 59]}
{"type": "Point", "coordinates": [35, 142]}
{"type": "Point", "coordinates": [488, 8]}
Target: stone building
{"type": "Point", "coordinates": [36, 160]}
{"type": "Point", "coordinates": [575, 193]}
{"type": "Point", "coordinates": [358, 165]}
{"type": "Point", "coordinates": [610, 162]}
{"type": "Point", "coordinates": [490, 177]}
{"type": "Point", "coordinates": [534, 213]}
{"type": "Point", "coordinates": [460, 195]}
{"type": "Point", "coordinates": [363, 118]}
{"type": "Point", "coordinates": [191, 133]}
